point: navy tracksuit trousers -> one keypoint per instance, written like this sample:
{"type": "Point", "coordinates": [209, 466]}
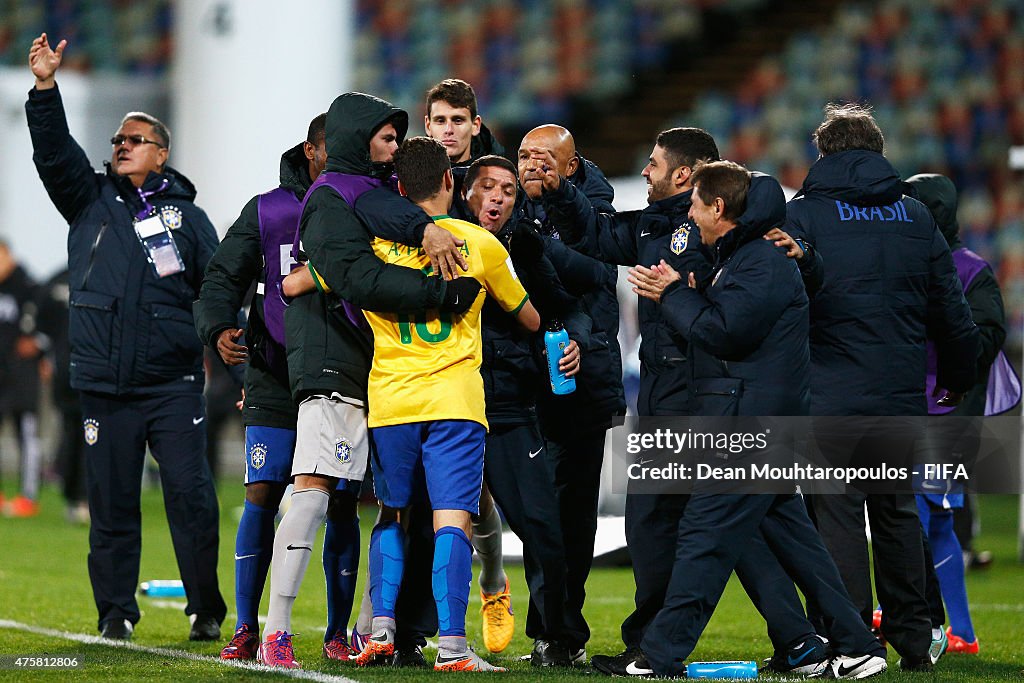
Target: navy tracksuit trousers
{"type": "Point", "coordinates": [117, 431]}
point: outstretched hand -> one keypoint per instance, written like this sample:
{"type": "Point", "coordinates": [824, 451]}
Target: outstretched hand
{"type": "Point", "coordinates": [45, 61]}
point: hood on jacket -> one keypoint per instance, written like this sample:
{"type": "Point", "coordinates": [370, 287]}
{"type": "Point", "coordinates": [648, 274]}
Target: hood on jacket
{"type": "Point", "coordinates": [766, 209]}
{"type": "Point", "coordinates": [295, 169]}
{"type": "Point", "coordinates": [484, 143]}
{"type": "Point", "coordinates": [591, 181]}
{"type": "Point", "coordinates": [352, 121]}
{"type": "Point", "coordinates": [856, 176]}
{"type": "Point", "coordinates": [938, 193]}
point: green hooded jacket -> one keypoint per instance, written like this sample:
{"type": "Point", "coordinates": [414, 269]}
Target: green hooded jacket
{"type": "Point", "coordinates": [326, 352]}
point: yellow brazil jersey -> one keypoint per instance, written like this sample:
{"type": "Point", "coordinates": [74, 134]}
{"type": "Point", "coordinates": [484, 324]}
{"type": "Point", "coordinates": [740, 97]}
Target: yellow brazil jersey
{"type": "Point", "coordinates": [426, 366]}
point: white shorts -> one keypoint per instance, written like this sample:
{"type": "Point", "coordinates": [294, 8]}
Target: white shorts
{"type": "Point", "coordinates": [332, 438]}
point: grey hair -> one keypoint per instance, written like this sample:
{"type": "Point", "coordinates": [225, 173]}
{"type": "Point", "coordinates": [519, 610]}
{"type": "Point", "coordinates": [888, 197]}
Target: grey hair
{"type": "Point", "coordinates": [159, 129]}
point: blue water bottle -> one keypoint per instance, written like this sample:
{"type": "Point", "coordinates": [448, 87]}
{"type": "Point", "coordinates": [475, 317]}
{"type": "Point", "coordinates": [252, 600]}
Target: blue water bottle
{"type": "Point", "coordinates": [162, 589]}
{"type": "Point", "coordinates": [555, 341]}
{"type": "Point", "coordinates": [720, 670]}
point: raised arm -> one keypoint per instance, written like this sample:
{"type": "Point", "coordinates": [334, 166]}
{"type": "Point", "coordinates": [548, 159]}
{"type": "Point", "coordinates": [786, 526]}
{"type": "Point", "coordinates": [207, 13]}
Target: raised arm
{"type": "Point", "coordinates": [61, 163]}
{"type": "Point", "coordinates": [608, 237]}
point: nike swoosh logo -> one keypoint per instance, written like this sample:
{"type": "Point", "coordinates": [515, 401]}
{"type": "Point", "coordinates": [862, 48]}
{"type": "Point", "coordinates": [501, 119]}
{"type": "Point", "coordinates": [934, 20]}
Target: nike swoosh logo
{"type": "Point", "coordinates": [443, 659]}
{"type": "Point", "coordinates": [119, 198]}
{"type": "Point", "coordinates": [299, 547]}
{"type": "Point", "coordinates": [948, 558]}
{"type": "Point", "coordinates": [347, 572]}
{"type": "Point", "coordinates": [644, 462]}
{"type": "Point", "coordinates": [242, 557]}
{"type": "Point", "coordinates": [794, 662]}
{"type": "Point", "coordinates": [633, 670]}
{"type": "Point", "coordinates": [456, 302]}
{"type": "Point", "coordinates": [533, 454]}
{"type": "Point", "coordinates": [197, 420]}
{"type": "Point", "coordinates": [843, 670]}
{"type": "Point", "coordinates": [644, 233]}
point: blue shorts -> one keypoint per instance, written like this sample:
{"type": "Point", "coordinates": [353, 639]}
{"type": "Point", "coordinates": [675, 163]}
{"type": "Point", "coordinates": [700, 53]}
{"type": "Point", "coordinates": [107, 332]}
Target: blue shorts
{"type": "Point", "coordinates": [449, 454]}
{"type": "Point", "coordinates": [268, 457]}
{"type": "Point", "coordinates": [268, 454]}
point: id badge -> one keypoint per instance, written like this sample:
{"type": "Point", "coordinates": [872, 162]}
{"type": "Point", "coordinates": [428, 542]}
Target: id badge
{"type": "Point", "coordinates": [161, 251]}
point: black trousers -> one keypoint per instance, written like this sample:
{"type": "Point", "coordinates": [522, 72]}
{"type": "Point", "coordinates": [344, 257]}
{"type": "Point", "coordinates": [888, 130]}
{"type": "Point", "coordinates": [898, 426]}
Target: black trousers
{"type": "Point", "coordinates": [519, 476]}
{"type": "Point", "coordinates": [899, 562]}
{"type": "Point", "coordinates": [117, 432]}
{"type": "Point", "coordinates": [653, 526]}
{"type": "Point", "coordinates": [714, 533]}
{"type": "Point", "coordinates": [576, 459]}
{"type": "Point", "coordinates": [71, 453]}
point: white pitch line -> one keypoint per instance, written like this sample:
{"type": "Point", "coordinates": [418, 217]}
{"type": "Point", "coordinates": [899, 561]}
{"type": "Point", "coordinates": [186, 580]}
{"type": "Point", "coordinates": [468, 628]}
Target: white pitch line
{"type": "Point", "coordinates": [167, 652]}
{"type": "Point", "coordinates": [997, 607]}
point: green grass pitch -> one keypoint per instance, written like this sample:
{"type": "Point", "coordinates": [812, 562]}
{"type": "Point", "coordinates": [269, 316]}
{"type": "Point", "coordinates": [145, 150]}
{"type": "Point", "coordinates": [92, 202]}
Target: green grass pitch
{"type": "Point", "coordinates": [45, 586]}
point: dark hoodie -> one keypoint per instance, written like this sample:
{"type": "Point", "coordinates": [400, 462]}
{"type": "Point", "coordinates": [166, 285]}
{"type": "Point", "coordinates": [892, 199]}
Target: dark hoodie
{"type": "Point", "coordinates": [238, 263]}
{"type": "Point", "coordinates": [748, 329]}
{"type": "Point", "coordinates": [131, 332]}
{"type": "Point", "coordinates": [329, 352]}
{"type": "Point", "coordinates": [889, 283]}
{"type": "Point", "coordinates": [938, 193]}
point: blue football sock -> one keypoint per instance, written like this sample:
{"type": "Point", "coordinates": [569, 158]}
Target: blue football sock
{"type": "Point", "coordinates": [452, 572]}
{"type": "Point", "coordinates": [387, 562]}
{"type": "Point", "coordinates": [949, 567]}
{"type": "Point", "coordinates": [341, 568]}
{"type": "Point", "coordinates": [254, 546]}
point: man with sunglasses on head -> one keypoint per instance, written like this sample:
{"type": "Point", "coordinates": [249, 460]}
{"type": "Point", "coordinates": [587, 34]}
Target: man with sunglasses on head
{"type": "Point", "coordinates": [137, 249]}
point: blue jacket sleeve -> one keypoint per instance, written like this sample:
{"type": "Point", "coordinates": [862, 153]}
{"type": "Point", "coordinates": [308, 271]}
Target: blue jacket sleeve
{"type": "Point", "coordinates": [67, 175]}
{"type": "Point", "coordinates": [391, 216]}
{"type": "Point", "coordinates": [609, 237]}
{"type": "Point", "coordinates": [580, 274]}
{"type": "Point", "coordinates": [739, 317]}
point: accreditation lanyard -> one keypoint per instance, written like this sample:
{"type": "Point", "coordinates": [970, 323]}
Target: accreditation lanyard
{"type": "Point", "coordinates": [156, 238]}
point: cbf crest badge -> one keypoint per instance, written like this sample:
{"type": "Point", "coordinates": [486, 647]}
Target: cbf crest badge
{"type": "Point", "coordinates": [680, 238]}
{"type": "Point", "coordinates": [92, 431]}
{"type": "Point", "coordinates": [343, 451]}
{"type": "Point", "coordinates": [258, 455]}
{"type": "Point", "coordinates": [171, 217]}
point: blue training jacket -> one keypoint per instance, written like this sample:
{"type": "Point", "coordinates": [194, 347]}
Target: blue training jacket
{"type": "Point", "coordinates": [131, 333]}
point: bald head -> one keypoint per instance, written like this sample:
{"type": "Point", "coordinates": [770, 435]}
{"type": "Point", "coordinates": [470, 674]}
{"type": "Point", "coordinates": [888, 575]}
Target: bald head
{"type": "Point", "coordinates": [549, 139]}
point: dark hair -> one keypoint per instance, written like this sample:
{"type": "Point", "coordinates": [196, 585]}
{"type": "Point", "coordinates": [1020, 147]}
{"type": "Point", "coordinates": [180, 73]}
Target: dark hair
{"type": "Point", "coordinates": [687, 146]}
{"type": "Point", "coordinates": [159, 129]}
{"type": "Point", "coordinates": [456, 92]}
{"type": "Point", "coordinates": [846, 127]}
{"type": "Point", "coordinates": [490, 160]}
{"type": "Point", "coordinates": [725, 179]}
{"type": "Point", "coordinates": [420, 164]}
{"type": "Point", "coordinates": [317, 129]}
